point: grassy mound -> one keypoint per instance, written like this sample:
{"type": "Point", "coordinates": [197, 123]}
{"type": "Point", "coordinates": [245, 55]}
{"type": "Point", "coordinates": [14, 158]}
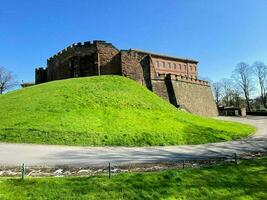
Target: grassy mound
{"type": "Point", "coordinates": [105, 110]}
{"type": "Point", "coordinates": [247, 180]}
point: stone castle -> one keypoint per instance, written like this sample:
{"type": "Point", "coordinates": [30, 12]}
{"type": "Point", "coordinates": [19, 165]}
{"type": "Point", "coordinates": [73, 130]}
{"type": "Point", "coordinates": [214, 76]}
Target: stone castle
{"type": "Point", "coordinates": [174, 79]}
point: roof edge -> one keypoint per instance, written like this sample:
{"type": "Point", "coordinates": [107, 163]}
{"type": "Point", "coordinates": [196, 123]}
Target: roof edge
{"type": "Point", "coordinates": [164, 55]}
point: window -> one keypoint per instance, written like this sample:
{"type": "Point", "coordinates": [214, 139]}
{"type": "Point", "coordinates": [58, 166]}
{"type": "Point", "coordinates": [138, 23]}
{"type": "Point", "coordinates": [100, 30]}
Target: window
{"type": "Point", "coordinates": [174, 65]}
{"type": "Point", "coordinates": [157, 64]}
{"type": "Point", "coordinates": [180, 66]}
{"type": "Point", "coordinates": [169, 65]}
{"type": "Point", "coordinates": [161, 64]}
{"type": "Point", "coordinates": [184, 67]}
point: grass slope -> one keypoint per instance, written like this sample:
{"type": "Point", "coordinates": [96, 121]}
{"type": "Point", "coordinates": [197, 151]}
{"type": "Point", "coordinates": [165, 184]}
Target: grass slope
{"type": "Point", "coordinates": [246, 181]}
{"type": "Point", "coordinates": [105, 110]}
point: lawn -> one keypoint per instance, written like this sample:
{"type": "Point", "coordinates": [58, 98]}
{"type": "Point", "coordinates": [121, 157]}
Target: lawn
{"type": "Point", "coordinates": [104, 111]}
{"type": "Point", "coordinates": [246, 181]}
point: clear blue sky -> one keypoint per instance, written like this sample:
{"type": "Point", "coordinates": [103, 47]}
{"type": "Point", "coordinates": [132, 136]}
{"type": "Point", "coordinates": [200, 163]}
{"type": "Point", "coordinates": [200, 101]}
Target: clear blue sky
{"type": "Point", "coordinates": [218, 33]}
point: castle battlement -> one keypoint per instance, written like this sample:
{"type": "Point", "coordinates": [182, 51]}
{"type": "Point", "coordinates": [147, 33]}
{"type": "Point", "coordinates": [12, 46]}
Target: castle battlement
{"type": "Point", "coordinates": [79, 46]}
{"type": "Point", "coordinates": [184, 79]}
{"type": "Point", "coordinates": [41, 68]}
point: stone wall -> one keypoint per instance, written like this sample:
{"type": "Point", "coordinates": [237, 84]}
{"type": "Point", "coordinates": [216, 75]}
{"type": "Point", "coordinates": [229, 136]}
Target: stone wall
{"type": "Point", "coordinates": [160, 89]}
{"type": "Point", "coordinates": [109, 58]}
{"type": "Point", "coordinates": [84, 59]}
{"type": "Point", "coordinates": [131, 66]}
{"type": "Point", "coordinates": [192, 97]}
{"type": "Point", "coordinates": [195, 98]}
{"type": "Point", "coordinates": [40, 75]}
{"type": "Point", "coordinates": [60, 65]}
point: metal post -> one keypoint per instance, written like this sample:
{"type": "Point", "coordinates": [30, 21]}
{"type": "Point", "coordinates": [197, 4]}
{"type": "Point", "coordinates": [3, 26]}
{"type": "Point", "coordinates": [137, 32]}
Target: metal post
{"type": "Point", "coordinates": [235, 157]}
{"type": "Point", "coordinates": [109, 171]}
{"type": "Point", "coordinates": [23, 171]}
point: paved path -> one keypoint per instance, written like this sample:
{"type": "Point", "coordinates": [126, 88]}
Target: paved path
{"type": "Point", "coordinates": [56, 156]}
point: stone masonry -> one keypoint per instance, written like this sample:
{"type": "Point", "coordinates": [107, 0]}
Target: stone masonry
{"type": "Point", "coordinates": [174, 79]}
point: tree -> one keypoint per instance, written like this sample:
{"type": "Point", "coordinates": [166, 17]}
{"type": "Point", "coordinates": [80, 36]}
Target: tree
{"type": "Point", "coordinates": [243, 77]}
{"type": "Point", "coordinates": [235, 98]}
{"type": "Point", "coordinates": [260, 70]}
{"type": "Point", "coordinates": [226, 84]}
{"type": "Point", "coordinates": [7, 80]}
{"type": "Point", "coordinates": [217, 92]}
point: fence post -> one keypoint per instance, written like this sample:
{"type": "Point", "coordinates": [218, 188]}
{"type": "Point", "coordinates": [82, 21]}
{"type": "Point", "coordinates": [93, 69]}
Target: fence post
{"type": "Point", "coordinates": [235, 157]}
{"type": "Point", "coordinates": [23, 171]}
{"type": "Point", "coordinates": [109, 171]}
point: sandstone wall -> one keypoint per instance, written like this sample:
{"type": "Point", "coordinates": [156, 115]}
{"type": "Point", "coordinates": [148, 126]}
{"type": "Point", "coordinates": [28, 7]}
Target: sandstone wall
{"type": "Point", "coordinates": [84, 59]}
{"type": "Point", "coordinates": [109, 58]}
{"type": "Point", "coordinates": [59, 66]}
{"type": "Point", "coordinates": [131, 66]}
{"type": "Point", "coordinates": [195, 98]}
{"type": "Point", "coordinates": [159, 87]}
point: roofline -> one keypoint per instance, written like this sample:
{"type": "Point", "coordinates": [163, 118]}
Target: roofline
{"type": "Point", "coordinates": [165, 56]}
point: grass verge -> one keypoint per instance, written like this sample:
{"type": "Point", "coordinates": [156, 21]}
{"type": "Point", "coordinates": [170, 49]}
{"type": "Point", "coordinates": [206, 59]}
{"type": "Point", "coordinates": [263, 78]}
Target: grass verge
{"type": "Point", "coordinates": [248, 180]}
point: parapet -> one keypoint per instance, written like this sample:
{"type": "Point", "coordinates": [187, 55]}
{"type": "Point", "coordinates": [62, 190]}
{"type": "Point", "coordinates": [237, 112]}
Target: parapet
{"type": "Point", "coordinates": [185, 79]}
{"type": "Point", "coordinates": [70, 47]}
{"type": "Point", "coordinates": [78, 45]}
{"type": "Point", "coordinates": [41, 68]}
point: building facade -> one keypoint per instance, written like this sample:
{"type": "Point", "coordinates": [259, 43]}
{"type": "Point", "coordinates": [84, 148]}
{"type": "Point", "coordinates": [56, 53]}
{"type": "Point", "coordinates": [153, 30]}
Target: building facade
{"type": "Point", "coordinates": [174, 79]}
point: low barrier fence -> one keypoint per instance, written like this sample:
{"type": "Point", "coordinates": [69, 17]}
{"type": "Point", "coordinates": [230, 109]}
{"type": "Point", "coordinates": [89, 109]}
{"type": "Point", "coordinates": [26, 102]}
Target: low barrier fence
{"type": "Point", "coordinates": [113, 168]}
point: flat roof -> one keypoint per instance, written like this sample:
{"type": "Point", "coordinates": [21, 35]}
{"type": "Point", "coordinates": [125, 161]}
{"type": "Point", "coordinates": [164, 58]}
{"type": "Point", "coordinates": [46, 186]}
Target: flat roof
{"type": "Point", "coordinates": [165, 56]}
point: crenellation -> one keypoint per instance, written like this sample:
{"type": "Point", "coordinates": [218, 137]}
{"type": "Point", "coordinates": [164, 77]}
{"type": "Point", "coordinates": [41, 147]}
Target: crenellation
{"type": "Point", "coordinates": [87, 43]}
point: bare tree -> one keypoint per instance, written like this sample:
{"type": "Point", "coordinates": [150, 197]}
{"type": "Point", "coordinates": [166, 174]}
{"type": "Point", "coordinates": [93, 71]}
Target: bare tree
{"type": "Point", "coordinates": [217, 92]}
{"type": "Point", "coordinates": [235, 98]}
{"type": "Point", "coordinates": [7, 80]}
{"type": "Point", "coordinates": [226, 84]}
{"type": "Point", "coordinates": [260, 70]}
{"type": "Point", "coordinates": [243, 77]}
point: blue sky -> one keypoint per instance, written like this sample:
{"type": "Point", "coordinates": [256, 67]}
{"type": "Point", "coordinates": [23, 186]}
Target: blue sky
{"type": "Point", "coordinates": [218, 33]}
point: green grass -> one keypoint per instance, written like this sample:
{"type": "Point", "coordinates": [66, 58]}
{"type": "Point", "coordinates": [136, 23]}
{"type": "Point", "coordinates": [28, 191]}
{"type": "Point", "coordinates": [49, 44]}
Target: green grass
{"type": "Point", "coordinates": [245, 181]}
{"type": "Point", "coordinates": [104, 111]}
